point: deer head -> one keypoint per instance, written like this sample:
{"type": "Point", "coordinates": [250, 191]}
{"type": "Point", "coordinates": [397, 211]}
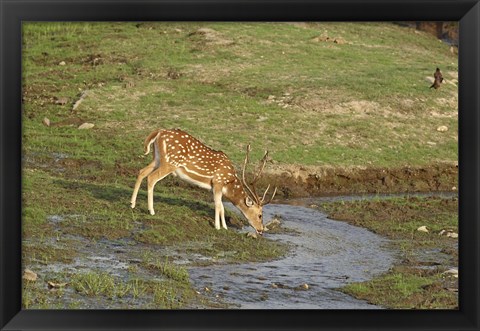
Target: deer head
{"type": "Point", "coordinates": [253, 202]}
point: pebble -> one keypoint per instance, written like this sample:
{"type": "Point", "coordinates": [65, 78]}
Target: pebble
{"type": "Point", "coordinates": [442, 128]}
{"type": "Point", "coordinates": [61, 101]}
{"type": "Point", "coordinates": [448, 233]}
{"type": "Point", "coordinates": [46, 121]}
{"type": "Point", "coordinates": [452, 272]}
{"type": "Point", "coordinates": [273, 223]}
{"type": "Point", "coordinates": [55, 285]}
{"type": "Point", "coordinates": [86, 126]}
{"type": "Point", "coordinates": [280, 285]}
{"type": "Point", "coordinates": [62, 63]}
{"type": "Point", "coordinates": [252, 235]}
{"type": "Point", "coordinates": [303, 287]}
{"type": "Point", "coordinates": [29, 275]}
{"type": "Point", "coordinates": [422, 229]}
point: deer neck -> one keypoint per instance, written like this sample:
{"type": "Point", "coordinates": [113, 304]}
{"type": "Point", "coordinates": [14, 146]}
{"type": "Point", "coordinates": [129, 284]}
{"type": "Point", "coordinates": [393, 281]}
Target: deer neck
{"type": "Point", "coordinates": [235, 193]}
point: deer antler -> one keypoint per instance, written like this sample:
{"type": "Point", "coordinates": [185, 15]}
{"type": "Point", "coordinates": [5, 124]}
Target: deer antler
{"type": "Point", "coordinates": [262, 202]}
{"type": "Point", "coordinates": [252, 194]}
{"type": "Point", "coordinates": [252, 191]}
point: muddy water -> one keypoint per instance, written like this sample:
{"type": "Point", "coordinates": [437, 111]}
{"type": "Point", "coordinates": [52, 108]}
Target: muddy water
{"type": "Point", "coordinates": [327, 254]}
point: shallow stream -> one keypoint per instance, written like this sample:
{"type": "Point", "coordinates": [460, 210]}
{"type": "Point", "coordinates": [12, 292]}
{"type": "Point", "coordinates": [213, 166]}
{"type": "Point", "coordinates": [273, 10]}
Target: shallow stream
{"type": "Point", "coordinates": [327, 254]}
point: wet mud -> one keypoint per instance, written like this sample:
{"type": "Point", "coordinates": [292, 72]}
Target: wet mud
{"type": "Point", "coordinates": [308, 181]}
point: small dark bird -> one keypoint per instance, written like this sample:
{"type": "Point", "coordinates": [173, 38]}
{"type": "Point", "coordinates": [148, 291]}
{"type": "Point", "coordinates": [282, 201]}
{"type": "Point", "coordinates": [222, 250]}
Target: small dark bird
{"type": "Point", "coordinates": [437, 75]}
{"type": "Point", "coordinates": [436, 84]}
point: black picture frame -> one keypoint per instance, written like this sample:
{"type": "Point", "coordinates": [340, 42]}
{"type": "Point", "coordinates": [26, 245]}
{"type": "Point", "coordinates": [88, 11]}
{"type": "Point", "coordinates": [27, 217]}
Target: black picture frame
{"type": "Point", "coordinates": [14, 12]}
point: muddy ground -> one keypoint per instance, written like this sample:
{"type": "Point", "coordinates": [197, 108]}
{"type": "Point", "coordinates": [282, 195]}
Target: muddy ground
{"type": "Point", "coordinates": [303, 181]}
{"type": "Point", "coordinates": [299, 181]}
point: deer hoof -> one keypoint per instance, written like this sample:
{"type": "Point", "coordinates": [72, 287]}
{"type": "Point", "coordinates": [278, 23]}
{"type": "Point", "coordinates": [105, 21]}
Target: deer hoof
{"type": "Point", "coordinates": [152, 212]}
{"type": "Point", "coordinates": [132, 205]}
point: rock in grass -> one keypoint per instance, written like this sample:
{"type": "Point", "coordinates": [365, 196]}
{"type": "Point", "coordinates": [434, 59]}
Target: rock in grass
{"type": "Point", "coordinates": [29, 275]}
{"type": "Point", "coordinates": [280, 285]}
{"type": "Point", "coordinates": [252, 235]}
{"type": "Point", "coordinates": [86, 126]}
{"type": "Point", "coordinates": [80, 100]}
{"type": "Point", "coordinates": [451, 272]}
{"type": "Point", "coordinates": [422, 229]}
{"type": "Point", "coordinates": [448, 233]}
{"type": "Point", "coordinates": [52, 285]}
{"type": "Point", "coordinates": [302, 287]}
{"type": "Point", "coordinates": [61, 101]}
{"type": "Point", "coordinates": [442, 128]}
{"type": "Point", "coordinates": [275, 222]}
{"type": "Point", "coordinates": [46, 121]}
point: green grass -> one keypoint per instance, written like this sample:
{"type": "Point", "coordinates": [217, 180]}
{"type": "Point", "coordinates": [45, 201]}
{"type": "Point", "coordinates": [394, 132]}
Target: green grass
{"type": "Point", "coordinates": [166, 268]}
{"type": "Point", "coordinates": [93, 288]}
{"type": "Point", "coordinates": [93, 284]}
{"type": "Point", "coordinates": [399, 218]}
{"type": "Point", "coordinates": [173, 293]}
{"type": "Point", "coordinates": [405, 290]}
{"type": "Point", "coordinates": [382, 65]}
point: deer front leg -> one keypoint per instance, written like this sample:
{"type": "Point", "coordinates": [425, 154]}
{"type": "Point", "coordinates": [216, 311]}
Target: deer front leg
{"type": "Point", "coordinates": [141, 175]}
{"type": "Point", "coordinates": [222, 216]}
{"type": "Point", "coordinates": [163, 171]}
{"type": "Point", "coordinates": [219, 209]}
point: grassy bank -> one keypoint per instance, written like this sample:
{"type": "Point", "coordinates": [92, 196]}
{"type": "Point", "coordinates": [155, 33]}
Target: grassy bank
{"type": "Point", "coordinates": [334, 95]}
{"type": "Point", "coordinates": [418, 281]}
{"type": "Point", "coordinates": [362, 101]}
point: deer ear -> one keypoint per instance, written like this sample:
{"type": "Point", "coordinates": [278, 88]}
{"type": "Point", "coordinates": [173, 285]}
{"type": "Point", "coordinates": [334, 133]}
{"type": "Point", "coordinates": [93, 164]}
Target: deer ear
{"type": "Point", "coordinates": [248, 202]}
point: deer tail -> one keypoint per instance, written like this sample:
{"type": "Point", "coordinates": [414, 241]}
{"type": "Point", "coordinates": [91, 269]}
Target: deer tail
{"type": "Point", "coordinates": [152, 137]}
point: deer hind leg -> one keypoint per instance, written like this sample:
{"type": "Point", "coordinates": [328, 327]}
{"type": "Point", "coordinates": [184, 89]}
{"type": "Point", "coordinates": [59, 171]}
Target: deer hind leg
{"type": "Point", "coordinates": [219, 209]}
{"type": "Point", "coordinates": [141, 175]}
{"type": "Point", "coordinates": [158, 174]}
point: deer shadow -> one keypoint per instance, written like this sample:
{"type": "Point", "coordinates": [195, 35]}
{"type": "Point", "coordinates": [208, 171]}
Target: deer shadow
{"type": "Point", "coordinates": [115, 194]}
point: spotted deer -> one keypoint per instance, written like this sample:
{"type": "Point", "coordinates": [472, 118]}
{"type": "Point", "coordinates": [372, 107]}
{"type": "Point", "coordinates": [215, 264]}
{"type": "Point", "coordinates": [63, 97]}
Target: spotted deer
{"type": "Point", "coordinates": [178, 153]}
